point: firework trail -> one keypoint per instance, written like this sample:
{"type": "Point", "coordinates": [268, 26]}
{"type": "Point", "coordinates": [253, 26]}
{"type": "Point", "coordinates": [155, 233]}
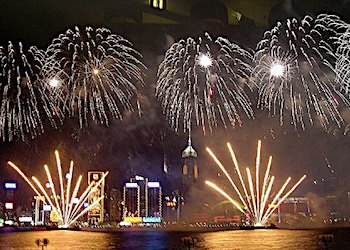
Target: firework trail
{"type": "Point", "coordinates": [24, 99]}
{"type": "Point", "coordinates": [295, 75]}
{"type": "Point", "coordinates": [95, 74]}
{"type": "Point", "coordinates": [63, 204]}
{"type": "Point", "coordinates": [204, 82]}
{"type": "Point", "coordinates": [257, 201]}
{"type": "Point", "coordinates": [342, 47]}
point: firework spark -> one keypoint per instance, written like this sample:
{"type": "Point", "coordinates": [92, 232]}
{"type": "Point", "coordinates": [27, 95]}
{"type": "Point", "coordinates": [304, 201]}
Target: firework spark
{"type": "Point", "coordinates": [204, 81]}
{"type": "Point", "coordinates": [256, 200]}
{"type": "Point", "coordinates": [342, 64]}
{"type": "Point", "coordinates": [63, 205]}
{"type": "Point", "coordinates": [94, 73]}
{"type": "Point", "coordinates": [295, 75]}
{"type": "Point", "coordinates": [24, 100]}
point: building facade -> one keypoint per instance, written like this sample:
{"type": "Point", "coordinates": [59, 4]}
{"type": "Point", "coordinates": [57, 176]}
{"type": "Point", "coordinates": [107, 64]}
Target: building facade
{"type": "Point", "coordinates": [142, 199]}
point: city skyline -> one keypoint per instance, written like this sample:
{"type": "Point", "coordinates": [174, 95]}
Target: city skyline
{"type": "Point", "coordinates": [138, 145]}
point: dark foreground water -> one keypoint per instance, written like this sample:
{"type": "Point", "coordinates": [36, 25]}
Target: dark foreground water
{"type": "Point", "coordinates": [153, 240]}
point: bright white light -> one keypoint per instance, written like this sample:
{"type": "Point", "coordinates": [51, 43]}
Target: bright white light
{"type": "Point", "coordinates": [154, 184]}
{"type": "Point", "coordinates": [47, 185]}
{"type": "Point", "coordinates": [54, 82]}
{"type": "Point", "coordinates": [9, 205]}
{"type": "Point", "coordinates": [277, 70]}
{"type": "Point", "coordinates": [46, 207]}
{"type": "Point", "coordinates": [67, 175]}
{"type": "Point", "coordinates": [131, 185]}
{"type": "Point", "coordinates": [96, 71]}
{"type": "Point", "coordinates": [25, 219]}
{"type": "Point", "coordinates": [139, 178]}
{"type": "Point", "coordinates": [205, 60]}
{"type": "Point", "coordinates": [9, 185]}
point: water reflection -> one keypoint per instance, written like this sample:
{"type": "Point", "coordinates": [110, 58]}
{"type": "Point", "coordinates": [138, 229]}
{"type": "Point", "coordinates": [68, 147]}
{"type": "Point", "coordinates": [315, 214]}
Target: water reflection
{"type": "Point", "coordinates": [154, 240]}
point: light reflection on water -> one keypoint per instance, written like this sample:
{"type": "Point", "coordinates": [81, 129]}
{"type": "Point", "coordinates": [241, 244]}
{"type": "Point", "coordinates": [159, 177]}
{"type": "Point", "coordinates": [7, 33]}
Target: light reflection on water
{"type": "Point", "coordinates": [154, 240]}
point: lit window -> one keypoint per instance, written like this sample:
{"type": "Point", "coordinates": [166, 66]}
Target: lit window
{"type": "Point", "coordinates": [158, 4]}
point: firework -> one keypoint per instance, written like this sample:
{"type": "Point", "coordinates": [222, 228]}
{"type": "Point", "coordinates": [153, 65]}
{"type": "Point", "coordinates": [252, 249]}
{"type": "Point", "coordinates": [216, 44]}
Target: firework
{"type": "Point", "coordinates": [94, 73]}
{"type": "Point", "coordinates": [342, 65]}
{"type": "Point", "coordinates": [295, 75]}
{"type": "Point", "coordinates": [24, 100]}
{"type": "Point", "coordinates": [63, 204]}
{"type": "Point", "coordinates": [204, 82]}
{"type": "Point", "coordinates": [256, 199]}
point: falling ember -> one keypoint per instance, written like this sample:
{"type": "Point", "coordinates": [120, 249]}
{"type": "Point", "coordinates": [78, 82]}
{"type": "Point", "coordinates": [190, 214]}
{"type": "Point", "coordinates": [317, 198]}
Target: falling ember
{"type": "Point", "coordinates": [65, 209]}
{"type": "Point", "coordinates": [257, 200]}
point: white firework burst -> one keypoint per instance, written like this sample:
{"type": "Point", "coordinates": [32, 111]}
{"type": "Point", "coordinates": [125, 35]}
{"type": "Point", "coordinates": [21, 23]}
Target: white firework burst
{"type": "Point", "coordinates": [204, 82]}
{"type": "Point", "coordinates": [24, 99]}
{"type": "Point", "coordinates": [304, 91]}
{"type": "Point", "coordinates": [95, 74]}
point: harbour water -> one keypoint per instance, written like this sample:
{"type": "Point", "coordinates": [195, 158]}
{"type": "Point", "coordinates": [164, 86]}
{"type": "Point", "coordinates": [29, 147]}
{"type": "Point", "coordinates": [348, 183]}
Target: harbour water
{"type": "Point", "coordinates": [272, 239]}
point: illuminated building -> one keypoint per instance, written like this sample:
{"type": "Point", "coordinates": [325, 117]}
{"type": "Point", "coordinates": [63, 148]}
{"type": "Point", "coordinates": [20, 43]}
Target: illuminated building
{"type": "Point", "coordinates": [190, 167]}
{"type": "Point", "coordinates": [172, 206]}
{"type": "Point", "coordinates": [191, 187]}
{"type": "Point", "coordinates": [294, 206]}
{"type": "Point", "coordinates": [9, 203]}
{"type": "Point", "coordinates": [115, 200]}
{"type": "Point", "coordinates": [96, 212]}
{"type": "Point", "coordinates": [39, 213]}
{"type": "Point", "coordinates": [131, 193]}
{"type": "Point", "coordinates": [154, 199]}
{"type": "Point", "coordinates": [142, 199]}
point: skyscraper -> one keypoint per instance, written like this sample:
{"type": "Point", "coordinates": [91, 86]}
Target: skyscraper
{"type": "Point", "coordinates": [189, 168]}
{"type": "Point", "coordinates": [142, 198]}
{"type": "Point", "coordinates": [96, 213]}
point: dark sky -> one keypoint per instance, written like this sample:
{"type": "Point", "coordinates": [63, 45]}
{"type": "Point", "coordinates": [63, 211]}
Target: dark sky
{"type": "Point", "coordinates": [136, 145]}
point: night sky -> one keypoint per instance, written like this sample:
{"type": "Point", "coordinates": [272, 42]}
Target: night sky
{"type": "Point", "coordinates": [137, 145]}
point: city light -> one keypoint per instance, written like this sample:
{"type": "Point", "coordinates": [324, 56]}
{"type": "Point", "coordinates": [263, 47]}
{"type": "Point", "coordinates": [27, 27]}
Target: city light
{"type": "Point", "coordinates": [154, 184]}
{"type": "Point", "coordinates": [10, 185]}
{"type": "Point", "coordinates": [256, 201]}
{"type": "Point", "coordinates": [9, 205]}
{"type": "Point", "coordinates": [131, 185]}
{"type": "Point", "coordinates": [63, 204]}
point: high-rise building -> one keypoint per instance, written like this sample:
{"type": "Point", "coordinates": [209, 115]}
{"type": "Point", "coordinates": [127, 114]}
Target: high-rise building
{"type": "Point", "coordinates": [142, 198]}
{"type": "Point", "coordinates": [154, 199]}
{"type": "Point", "coordinates": [9, 203]}
{"type": "Point", "coordinates": [96, 213]}
{"type": "Point", "coordinates": [115, 201]}
{"type": "Point", "coordinates": [190, 167]}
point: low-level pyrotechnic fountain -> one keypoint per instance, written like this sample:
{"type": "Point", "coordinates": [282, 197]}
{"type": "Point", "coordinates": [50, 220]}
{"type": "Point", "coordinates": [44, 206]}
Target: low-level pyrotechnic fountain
{"type": "Point", "coordinates": [66, 206]}
{"type": "Point", "coordinates": [256, 198]}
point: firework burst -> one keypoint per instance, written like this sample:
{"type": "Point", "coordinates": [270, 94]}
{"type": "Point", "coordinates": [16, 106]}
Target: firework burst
{"type": "Point", "coordinates": [295, 75]}
{"type": "Point", "coordinates": [256, 197]}
{"type": "Point", "coordinates": [204, 82]}
{"type": "Point", "coordinates": [24, 99]}
{"type": "Point", "coordinates": [342, 64]}
{"type": "Point", "coordinates": [94, 73]}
